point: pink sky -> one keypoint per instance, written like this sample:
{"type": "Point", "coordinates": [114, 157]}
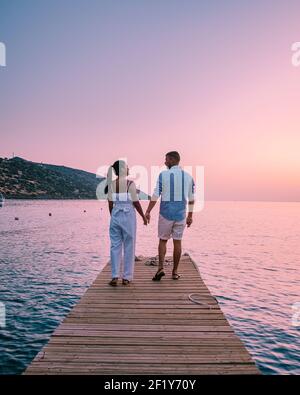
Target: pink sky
{"type": "Point", "coordinates": [87, 84]}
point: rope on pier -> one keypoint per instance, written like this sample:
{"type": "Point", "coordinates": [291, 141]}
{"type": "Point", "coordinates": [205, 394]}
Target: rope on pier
{"type": "Point", "coordinates": [197, 301]}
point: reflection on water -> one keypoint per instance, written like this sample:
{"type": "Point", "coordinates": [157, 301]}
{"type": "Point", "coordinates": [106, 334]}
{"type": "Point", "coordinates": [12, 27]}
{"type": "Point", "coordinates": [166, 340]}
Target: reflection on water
{"type": "Point", "coordinates": [248, 254]}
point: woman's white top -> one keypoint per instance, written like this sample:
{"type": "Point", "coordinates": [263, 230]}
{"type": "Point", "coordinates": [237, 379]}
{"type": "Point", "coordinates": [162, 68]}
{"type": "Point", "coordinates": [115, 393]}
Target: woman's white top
{"type": "Point", "coordinates": [121, 196]}
{"type": "Point", "coordinates": [122, 201]}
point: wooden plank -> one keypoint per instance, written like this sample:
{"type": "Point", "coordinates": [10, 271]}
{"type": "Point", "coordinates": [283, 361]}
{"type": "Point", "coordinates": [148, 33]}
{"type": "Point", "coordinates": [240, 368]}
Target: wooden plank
{"type": "Point", "coordinates": [139, 329]}
{"type": "Point", "coordinates": [205, 321]}
{"type": "Point", "coordinates": [92, 340]}
{"type": "Point", "coordinates": [158, 349]}
{"type": "Point", "coordinates": [144, 328]}
{"type": "Point", "coordinates": [140, 368]}
{"type": "Point", "coordinates": [140, 358]}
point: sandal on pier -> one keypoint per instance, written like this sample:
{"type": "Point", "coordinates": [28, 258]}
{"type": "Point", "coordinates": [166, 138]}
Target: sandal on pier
{"type": "Point", "coordinates": [158, 275]}
{"type": "Point", "coordinates": [114, 282]}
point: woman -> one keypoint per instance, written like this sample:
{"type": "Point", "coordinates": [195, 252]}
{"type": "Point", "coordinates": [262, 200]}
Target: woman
{"type": "Point", "coordinates": [122, 202]}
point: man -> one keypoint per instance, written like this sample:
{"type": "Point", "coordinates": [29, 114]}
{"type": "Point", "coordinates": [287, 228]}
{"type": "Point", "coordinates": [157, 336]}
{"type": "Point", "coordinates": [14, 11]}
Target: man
{"type": "Point", "coordinates": [176, 188]}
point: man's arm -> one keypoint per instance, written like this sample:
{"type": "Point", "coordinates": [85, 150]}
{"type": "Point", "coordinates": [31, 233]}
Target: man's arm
{"type": "Point", "coordinates": [189, 219]}
{"type": "Point", "coordinates": [151, 204]}
{"type": "Point", "coordinates": [154, 197]}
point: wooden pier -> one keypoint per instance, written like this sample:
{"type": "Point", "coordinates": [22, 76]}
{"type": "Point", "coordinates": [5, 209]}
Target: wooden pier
{"type": "Point", "coordinates": [145, 328]}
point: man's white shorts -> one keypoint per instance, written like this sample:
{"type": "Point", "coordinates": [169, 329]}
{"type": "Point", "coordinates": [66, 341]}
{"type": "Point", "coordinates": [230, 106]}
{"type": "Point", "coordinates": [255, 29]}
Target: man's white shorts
{"type": "Point", "coordinates": [167, 228]}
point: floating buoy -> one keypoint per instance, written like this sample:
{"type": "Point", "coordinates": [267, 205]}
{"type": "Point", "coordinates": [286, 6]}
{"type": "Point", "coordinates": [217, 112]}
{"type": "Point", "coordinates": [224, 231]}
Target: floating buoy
{"type": "Point", "coordinates": [50, 214]}
{"type": "Point", "coordinates": [84, 211]}
{"type": "Point", "coordinates": [17, 218]}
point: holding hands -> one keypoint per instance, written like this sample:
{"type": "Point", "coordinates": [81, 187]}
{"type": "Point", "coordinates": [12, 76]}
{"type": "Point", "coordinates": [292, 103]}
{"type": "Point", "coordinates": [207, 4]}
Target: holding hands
{"type": "Point", "coordinates": [148, 216]}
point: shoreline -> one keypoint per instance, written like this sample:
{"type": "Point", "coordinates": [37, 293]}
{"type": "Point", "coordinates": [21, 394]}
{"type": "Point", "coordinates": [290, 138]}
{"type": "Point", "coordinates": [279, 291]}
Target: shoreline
{"type": "Point", "coordinates": [207, 200]}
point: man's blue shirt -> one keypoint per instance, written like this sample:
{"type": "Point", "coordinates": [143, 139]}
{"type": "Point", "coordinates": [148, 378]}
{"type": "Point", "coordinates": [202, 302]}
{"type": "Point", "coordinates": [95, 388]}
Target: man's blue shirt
{"type": "Point", "coordinates": [176, 187]}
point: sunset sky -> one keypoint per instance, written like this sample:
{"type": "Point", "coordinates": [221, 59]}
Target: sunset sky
{"type": "Point", "coordinates": [87, 82]}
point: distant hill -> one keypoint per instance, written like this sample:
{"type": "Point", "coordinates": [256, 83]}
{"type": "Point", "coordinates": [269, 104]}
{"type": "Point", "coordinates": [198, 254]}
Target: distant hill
{"type": "Point", "coordinates": [23, 179]}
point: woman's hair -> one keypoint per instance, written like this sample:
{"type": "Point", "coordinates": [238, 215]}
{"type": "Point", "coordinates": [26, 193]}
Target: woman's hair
{"type": "Point", "coordinates": [120, 169]}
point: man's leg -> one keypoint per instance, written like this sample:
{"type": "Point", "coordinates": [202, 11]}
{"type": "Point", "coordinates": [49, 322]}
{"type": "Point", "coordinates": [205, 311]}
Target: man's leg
{"type": "Point", "coordinates": [162, 249]}
{"type": "Point", "coordinates": [176, 254]}
{"type": "Point", "coordinates": [164, 233]}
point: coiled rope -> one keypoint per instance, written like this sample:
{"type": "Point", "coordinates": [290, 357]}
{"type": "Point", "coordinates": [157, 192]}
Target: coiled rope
{"type": "Point", "coordinates": [206, 305]}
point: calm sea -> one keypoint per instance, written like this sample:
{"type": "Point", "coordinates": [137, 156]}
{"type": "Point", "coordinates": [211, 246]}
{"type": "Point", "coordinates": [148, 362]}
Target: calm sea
{"type": "Point", "coordinates": [248, 254]}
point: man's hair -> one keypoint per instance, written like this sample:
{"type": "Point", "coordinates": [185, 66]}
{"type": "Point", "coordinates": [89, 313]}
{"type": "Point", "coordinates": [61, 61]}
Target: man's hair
{"type": "Point", "coordinates": [174, 154]}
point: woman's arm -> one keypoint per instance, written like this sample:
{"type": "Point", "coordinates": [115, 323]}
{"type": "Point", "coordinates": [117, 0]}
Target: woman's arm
{"type": "Point", "coordinates": [135, 200]}
{"type": "Point", "coordinates": [110, 201]}
{"type": "Point", "coordinates": [139, 209]}
{"type": "Point", "coordinates": [110, 206]}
